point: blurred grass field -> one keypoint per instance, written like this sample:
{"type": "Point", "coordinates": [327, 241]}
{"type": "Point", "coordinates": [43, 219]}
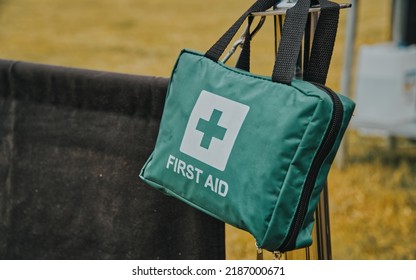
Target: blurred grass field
{"type": "Point", "coordinates": [372, 200]}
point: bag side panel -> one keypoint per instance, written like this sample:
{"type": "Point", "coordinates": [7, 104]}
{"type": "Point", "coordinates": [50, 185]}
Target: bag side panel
{"type": "Point", "coordinates": [304, 238]}
{"type": "Point", "coordinates": [299, 168]}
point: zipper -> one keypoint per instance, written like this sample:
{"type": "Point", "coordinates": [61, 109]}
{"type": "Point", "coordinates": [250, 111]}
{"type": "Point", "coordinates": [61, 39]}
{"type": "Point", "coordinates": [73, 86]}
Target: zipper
{"type": "Point", "coordinates": [326, 146]}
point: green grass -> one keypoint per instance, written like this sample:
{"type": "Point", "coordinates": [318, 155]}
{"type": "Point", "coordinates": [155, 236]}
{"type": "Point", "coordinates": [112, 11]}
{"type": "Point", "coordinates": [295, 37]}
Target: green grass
{"type": "Point", "coordinates": [372, 200]}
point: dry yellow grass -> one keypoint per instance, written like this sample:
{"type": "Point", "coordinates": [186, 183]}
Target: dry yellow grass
{"type": "Point", "coordinates": [372, 200]}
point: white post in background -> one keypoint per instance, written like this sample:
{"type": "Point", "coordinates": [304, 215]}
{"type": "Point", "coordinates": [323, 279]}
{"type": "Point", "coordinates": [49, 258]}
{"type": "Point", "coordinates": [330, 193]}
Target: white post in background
{"type": "Point", "coordinates": [342, 155]}
{"type": "Point", "coordinates": [398, 30]}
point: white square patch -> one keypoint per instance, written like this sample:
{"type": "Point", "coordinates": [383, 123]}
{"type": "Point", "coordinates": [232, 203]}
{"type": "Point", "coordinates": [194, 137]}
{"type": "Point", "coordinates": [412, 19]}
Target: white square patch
{"type": "Point", "coordinates": [212, 129]}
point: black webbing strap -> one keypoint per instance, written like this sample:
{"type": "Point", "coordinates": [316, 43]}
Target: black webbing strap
{"type": "Point", "coordinates": [323, 43]}
{"type": "Point", "coordinates": [307, 43]}
{"type": "Point", "coordinates": [290, 42]}
{"type": "Point", "coordinates": [219, 47]}
{"type": "Point", "coordinates": [243, 61]}
{"type": "Point", "coordinates": [322, 48]}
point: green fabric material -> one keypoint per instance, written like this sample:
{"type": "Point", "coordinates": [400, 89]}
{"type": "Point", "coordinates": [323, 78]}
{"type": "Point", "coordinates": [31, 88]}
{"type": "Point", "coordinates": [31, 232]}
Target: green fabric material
{"type": "Point", "coordinates": [259, 187]}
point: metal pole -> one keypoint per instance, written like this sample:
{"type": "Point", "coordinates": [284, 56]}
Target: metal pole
{"type": "Point", "coordinates": [322, 226]}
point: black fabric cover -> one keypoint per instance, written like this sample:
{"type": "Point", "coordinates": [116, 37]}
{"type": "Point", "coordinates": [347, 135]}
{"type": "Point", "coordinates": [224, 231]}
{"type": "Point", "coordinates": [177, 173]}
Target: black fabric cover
{"type": "Point", "coordinates": [72, 143]}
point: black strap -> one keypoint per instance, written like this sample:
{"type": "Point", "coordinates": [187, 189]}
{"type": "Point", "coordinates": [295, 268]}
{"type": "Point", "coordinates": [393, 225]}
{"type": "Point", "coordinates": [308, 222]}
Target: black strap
{"type": "Point", "coordinates": [290, 42]}
{"type": "Point", "coordinates": [243, 61]}
{"type": "Point", "coordinates": [307, 44]}
{"type": "Point", "coordinates": [219, 47]}
{"type": "Point", "coordinates": [289, 45]}
{"type": "Point", "coordinates": [323, 43]}
{"type": "Point", "coordinates": [289, 49]}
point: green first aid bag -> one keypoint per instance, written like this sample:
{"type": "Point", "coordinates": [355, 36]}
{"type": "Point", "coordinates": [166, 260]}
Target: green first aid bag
{"type": "Point", "coordinates": [250, 150]}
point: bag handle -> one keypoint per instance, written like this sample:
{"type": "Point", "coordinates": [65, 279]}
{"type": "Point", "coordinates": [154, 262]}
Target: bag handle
{"type": "Point", "coordinates": [316, 65]}
{"type": "Point", "coordinates": [290, 42]}
{"type": "Point", "coordinates": [215, 52]}
{"type": "Point", "coordinates": [243, 61]}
